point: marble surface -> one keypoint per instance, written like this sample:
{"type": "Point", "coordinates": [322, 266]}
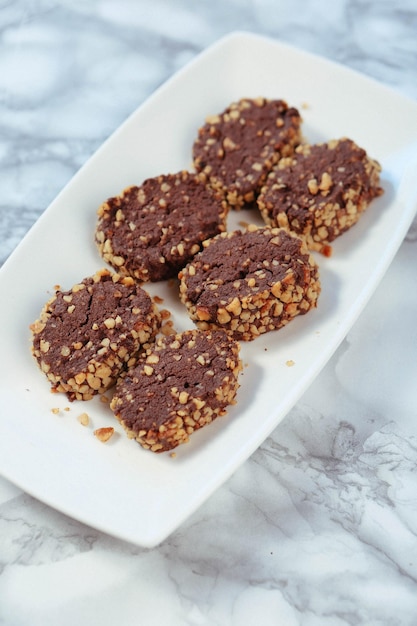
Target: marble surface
{"type": "Point", "coordinates": [319, 526]}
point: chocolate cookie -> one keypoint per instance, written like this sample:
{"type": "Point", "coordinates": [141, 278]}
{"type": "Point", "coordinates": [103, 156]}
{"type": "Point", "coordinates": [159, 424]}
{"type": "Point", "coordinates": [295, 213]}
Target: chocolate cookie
{"type": "Point", "coordinates": [237, 148]}
{"type": "Point", "coordinates": [150, 232]}
{"type": "Point", "coordinates": [86, 336]}
{"type": "Point", "coordinates": [250, 282]}
{"type": "Point", "coordinates": [181, 384]}
{"type": "Point", "coordinates": [320, 191]}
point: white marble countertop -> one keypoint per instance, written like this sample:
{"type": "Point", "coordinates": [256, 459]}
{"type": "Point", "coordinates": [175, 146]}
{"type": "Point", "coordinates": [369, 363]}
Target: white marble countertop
{"type": "Point", "coordinates": [319, 526]}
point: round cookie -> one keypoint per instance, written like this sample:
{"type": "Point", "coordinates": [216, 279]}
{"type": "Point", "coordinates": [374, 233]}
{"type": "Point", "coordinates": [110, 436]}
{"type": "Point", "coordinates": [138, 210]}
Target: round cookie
{"type": "Point", "coordinates": [86, 336]}
{"type": "Point", "coordinates": [181, 384]}
{"type": "Point", "coordinates": [150, 232]}
{"type": "Point", "coordinates": [237, 148]}
{"type": "Point", "coordinates": [250, 282]}
{"type": "Point", "coordinates": [320, 191]}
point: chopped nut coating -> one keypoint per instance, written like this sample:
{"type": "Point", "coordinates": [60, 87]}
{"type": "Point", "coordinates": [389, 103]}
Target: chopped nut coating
{"type": "Point", "coordinates": [235, 150]}
{"type": "Point", "coordinates": [82, 353]}
{"type": "Point", "coordinates": [194, 379]}
{"type": "Point", "coordinates": [263, 278]}
{"type": "Point", "coordinates": [165, 221]}
{"type": "Point", "coordinates": [320, 191]}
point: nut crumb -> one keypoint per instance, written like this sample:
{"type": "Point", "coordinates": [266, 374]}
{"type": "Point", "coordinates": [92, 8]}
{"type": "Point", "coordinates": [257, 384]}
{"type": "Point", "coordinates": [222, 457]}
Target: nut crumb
{"type": "Point", "coordinates": [168, 328]}
{"type": "Point", "coordinates": [104, 434]}
{"type": "Point", "coordinates": [165, 314]}
{"type": "Point", "coordinates": [55, 410]}
{"type": "Point", "coordinates": [84, 419]}
{"type": "Point", "coordinates": [289, 363]}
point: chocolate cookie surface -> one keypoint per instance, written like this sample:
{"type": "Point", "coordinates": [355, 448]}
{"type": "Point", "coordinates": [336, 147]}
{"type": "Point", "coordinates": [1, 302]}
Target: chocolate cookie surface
{"type": "Point", "coordinates": [320, 191]}
{"type": "Point", "coordinates": [86, 336]}
{"type": "Point", "coordinates": [237, 148]}
{"type": "Point", "coordinates": [250, 282]}
{"type": "Point", "coordinates": [181, 384]}
{"type": "Point", "coordinates": [151, 231]}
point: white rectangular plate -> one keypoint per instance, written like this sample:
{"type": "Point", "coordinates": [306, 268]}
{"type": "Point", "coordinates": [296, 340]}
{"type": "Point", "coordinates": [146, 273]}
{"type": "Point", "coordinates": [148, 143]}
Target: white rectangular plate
{"type": "Point", "coordinates": [119, 487]}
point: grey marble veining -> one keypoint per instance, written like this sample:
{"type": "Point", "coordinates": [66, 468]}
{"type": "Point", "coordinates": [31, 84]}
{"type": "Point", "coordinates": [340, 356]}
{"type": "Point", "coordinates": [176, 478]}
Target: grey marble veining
{"type": "Point", "coordinates": [319, 526]}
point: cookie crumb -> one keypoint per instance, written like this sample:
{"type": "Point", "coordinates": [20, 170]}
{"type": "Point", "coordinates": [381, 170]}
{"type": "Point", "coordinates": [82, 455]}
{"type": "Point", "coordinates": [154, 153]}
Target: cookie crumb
{"type": "Point", "coordinates": [290, 363]}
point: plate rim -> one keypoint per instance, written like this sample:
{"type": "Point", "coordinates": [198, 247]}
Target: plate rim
{"type": "Point", "coordinates": [155, 536]}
